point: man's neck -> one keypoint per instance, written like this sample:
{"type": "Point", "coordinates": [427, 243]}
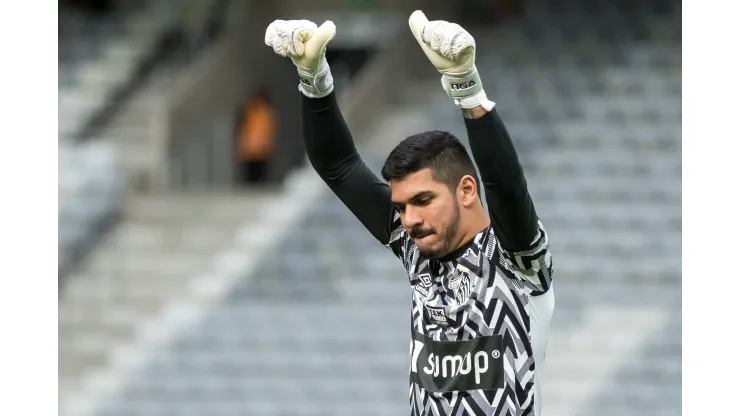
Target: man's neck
{"type": "Point", "coordinates": [471, 229]}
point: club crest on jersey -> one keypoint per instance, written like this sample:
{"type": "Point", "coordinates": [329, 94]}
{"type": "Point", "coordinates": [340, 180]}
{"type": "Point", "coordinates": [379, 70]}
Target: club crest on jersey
{"type": "Point", "coordinates": [460, 284]}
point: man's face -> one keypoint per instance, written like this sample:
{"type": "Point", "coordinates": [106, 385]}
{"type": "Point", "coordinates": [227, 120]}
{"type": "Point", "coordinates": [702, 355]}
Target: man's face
{"type": "Point", "coordinates": [430, 213]}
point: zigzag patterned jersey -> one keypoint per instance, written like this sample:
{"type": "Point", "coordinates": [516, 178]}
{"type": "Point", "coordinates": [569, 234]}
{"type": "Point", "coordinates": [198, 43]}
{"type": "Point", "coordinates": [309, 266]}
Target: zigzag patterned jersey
{"type": "Point", "coordinates": [471, 348]}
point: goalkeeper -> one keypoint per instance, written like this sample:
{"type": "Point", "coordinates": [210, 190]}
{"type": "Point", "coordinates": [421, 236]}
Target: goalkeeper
{"type": "Point", "coordinates": [481, 280]}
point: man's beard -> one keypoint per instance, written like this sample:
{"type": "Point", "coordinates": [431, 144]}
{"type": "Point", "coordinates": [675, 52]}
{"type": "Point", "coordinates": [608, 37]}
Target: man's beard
{"type": "Point", "coordinates": [444, 243]}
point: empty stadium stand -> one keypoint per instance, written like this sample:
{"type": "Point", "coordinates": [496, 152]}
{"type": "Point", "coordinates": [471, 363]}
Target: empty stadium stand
{"type": "Point", "coordinates": [101, 58]}
{"type": "Point", "coordinates": [320, 327]}
{"type": "Point", "coordinates": [105, 59]}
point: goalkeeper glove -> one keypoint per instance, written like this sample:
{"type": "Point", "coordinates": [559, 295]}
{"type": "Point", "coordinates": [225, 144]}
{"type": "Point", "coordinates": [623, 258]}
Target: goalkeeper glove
{"type": "Point", "coordinates": [305, 44]}
{"type": "Point", "coordinates": [451, 49]}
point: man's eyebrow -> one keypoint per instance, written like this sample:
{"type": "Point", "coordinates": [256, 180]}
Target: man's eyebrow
{"type": "Point", "coordinates": [415, 198]}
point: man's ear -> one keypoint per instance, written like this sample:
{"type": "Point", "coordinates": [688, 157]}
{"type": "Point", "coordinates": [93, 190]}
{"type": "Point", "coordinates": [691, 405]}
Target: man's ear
{"type": "Point", "coordinates": [467, 191]}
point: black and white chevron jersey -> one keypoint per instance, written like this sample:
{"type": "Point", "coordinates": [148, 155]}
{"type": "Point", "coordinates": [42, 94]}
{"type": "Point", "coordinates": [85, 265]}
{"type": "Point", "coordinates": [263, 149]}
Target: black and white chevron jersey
{"type": "Point", "coordinates": [479, 315]}
{"type": "Point", "coordinates": [479, 292]}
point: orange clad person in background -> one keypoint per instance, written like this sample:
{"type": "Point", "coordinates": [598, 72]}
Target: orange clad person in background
{"type": "Point", "coordinates": [256, 138]}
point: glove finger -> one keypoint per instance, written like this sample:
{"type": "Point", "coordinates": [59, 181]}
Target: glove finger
{"type": "Point", "coordinates": [270, 31]}
{"type": "Point", "coordinates": [417, 21]}
{"type": "Point", "coordinates": [318, 40]}
{"type": "Point", "coordinates": [297, 34]}
{"type": "Point", "coordinates": [461, 42]}
{"type": "Point", "coordinates": [419, 25]}
{"type": "Point", "coordinates": [450, 40]}
{"type": "Point", "coordinates": [446, 38]}
{"type": "Point", "coordinates": [287, 37]}
{"type": "Point", "coordinates": [272, 37]}
{"type": "Point", "coordinates": [432, 32]}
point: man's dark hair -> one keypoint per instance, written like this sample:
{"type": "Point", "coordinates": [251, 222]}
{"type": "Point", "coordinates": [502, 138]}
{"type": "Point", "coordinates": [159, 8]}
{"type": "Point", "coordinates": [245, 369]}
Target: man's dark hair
{"type": "Point", "coordinates": [440, 151]}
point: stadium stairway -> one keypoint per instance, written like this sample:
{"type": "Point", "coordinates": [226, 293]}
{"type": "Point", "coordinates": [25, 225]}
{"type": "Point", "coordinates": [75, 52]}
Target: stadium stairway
{"type": "Point", "coordinates": [101, 59]}
{"type": "Point", "coordinates": [133, 129]}
{"type": "Point", "coordinates": [100, 56]}
{"type": "Point", "coordinates": [150, 258]}
{"type": "Point", "coordinates": [136, 127]}
{"type": "Point", "coordinates": [91, 187]}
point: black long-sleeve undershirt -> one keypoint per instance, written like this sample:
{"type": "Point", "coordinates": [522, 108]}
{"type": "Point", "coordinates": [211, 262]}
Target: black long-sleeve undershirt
{"type": "Point", "coordinates": [333, 155]}
{"type": "Point", "coordinates": [513, 216]}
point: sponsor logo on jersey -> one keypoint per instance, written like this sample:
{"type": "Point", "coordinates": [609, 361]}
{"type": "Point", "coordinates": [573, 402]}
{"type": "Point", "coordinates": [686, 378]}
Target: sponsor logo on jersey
{"type": "Point", "coordinates": [437, 315]}
{"type": "Point", "coordinates": [445, 366]}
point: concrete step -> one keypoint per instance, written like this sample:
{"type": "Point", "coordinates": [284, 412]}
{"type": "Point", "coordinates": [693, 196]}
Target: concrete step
{"type": "Point", "coordinates": [128, 285]}
{"type": "Point", "coordinates": [138, 238]}
{"type": "Point", "coordinates": [84, 338]}
{"type": "Point", "coordinates": [165, 261]}
{"type": "Point", "coordinates": [107, 304]}
{"type": "Point", "coordinates": [103, 76]}
{"type": "Point", "coordinates": [208, 207]}
{"type": "Point", "coordinates": [78, 365]}
{"type": "Point", "coordinates": [130, 133]}
{"type": "Point", "coordinates": [94, 311]}
{"type": "Point", "coordinates": [140, 110]}
{"type": "Point", "coordinates": [153, 257]}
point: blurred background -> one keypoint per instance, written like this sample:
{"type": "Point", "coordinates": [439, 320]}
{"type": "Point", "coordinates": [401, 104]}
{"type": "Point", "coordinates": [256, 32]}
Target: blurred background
{"type": "Point", "coordinates": [204, 269]}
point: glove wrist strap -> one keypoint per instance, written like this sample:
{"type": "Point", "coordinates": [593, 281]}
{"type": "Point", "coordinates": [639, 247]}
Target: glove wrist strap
{"type": "Point", "coordinates": [466, 90]}
{"type": "Point", "coordinates": [316, 83]}
{"type": "Point", "coordinates": [460, 86]}
{"type": "Point", "coordinates": [478, 100]}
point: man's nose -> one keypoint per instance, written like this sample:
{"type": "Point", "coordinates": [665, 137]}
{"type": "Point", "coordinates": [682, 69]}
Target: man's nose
{"type": "Point", "coordinates": [411, 218]}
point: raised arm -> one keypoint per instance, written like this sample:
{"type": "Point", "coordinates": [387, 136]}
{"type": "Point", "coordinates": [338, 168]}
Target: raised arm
{"type": "Point", "coordinates": [451, 50]}
{"type": "Point", "coordinates": [328, 141]}
{"type": "Point", "coordinates": [332, 154]}
{"type": "Point", "coordinates": [513, 216]}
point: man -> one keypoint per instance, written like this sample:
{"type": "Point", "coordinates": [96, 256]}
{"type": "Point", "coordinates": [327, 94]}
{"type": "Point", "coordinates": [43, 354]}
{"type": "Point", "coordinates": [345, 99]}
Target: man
{"type": "Point", "coordinates": [481, 281]}
{"type": "Point", "coordinates": [256, 138]}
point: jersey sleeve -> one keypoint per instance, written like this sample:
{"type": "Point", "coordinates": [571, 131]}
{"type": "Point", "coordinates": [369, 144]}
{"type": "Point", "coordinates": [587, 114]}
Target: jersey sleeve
{"type": "Point", "coordinates": [399, 243]}
{"type": "Point", "coordinates": [520, 236]}
{"type": "Point", "coordinates": [530, 269]}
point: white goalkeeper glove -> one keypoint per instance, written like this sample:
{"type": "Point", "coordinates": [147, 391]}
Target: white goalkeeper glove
{"type": "Point", "coordinates": [305, 44]}
{"type": "Point", "coordinates": [451, 49]}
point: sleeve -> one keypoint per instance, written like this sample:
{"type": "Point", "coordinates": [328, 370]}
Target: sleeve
{"type": "Point", "coordinates": [520, 236]}
{"type": "Point", "coordinates": [532, 268]}
{"type": "Point", "coordinates": [332, 153]}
